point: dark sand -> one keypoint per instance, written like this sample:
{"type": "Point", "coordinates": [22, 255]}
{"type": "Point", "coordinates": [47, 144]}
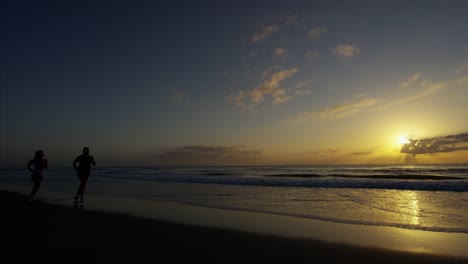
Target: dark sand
{"type": "Point", "coordinates": [49, 232]}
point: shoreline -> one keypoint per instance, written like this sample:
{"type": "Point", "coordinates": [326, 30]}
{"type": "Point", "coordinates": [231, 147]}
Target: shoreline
{"type": "Point", "coordinates": [62, 229]}
{"type": "Point", "coordinates": [288, 226]}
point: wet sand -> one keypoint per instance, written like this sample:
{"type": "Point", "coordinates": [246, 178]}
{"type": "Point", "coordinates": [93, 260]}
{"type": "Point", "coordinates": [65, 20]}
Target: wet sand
{"type": "Point", "coordinates": [44, 232]}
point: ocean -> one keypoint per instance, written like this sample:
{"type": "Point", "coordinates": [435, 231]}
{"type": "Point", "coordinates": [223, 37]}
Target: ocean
{"type": "Point", "coordinates": [420, 197]}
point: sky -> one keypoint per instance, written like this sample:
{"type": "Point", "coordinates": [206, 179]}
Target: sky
{"type": "Point", "coordinates": [167, 83]}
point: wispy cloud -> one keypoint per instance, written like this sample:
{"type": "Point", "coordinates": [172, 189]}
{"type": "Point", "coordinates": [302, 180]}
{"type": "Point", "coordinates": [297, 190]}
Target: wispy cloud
{"type": "Point", "coordinates": [413, 79]}
{"type": "Point", "coordinates": [302, 92]}
{"type": "Point", "coordinates": [334, 150]}
{"type": "Point", "coordinates": [436, 144]}
{"type": "Point", "coordinates": [269, 71]}
{"type": "Point", "coordinates": [463, 67]}
{"type": "Point", "coordinates": [345, 50]}
{"type": "Point", "coordinates": [280, 52]}
{"type": "Point", "coordinates": [206, 155]}
{"type": "Point", "coordinates": [264, 33]}
{"type": "Point", "coordinates": [302, 84]}
{"type": "Point", "coordinates": [178, 95]}
{"type": "Point", "coordinates": [361, 153]}
{"type": "Point", "coordinates": [247, 100]}
{"type": "Point", "coordinates": [347, 108]}
{"type": "Point", "coordinates": [316, 32]}
{"type": "Point", "coordinates": [361, 102]}
{"type": "Point", "coordinates": [291, 20]}
{"type": "Point", "coordinates": [427, 88]}
{"type": "Point", "coordinates": [274, 27]}
{"type": "Point", "coordinates": [339, 111]}
{"type": "Point", "coordinates": [311, 54]}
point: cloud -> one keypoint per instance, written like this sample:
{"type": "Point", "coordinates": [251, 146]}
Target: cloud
{"type": "Point", "coordinates": [281, 97]}
{"type": "Point", "coordinates": [302, 84]}
{"type": "Point", "coordinates": [345, 50]}
{"type": "Point", "coordinates": [206, 155]}
{"type": "Point", "coordinates": [360, 102]}
{"type": "Point", "coordinates": [334, 150]}
{"type": "Point", "coordinates": [413, 79]}
{"type": "Point", "coordinates": [361, 153]}
{"type": "Point", "coordinates": [463, 67]}
{"type": "Point", "coordinates": [291, 20]}
{"type": "Point", "coordinates": [272, 86]}
{"type": "Point", "coordinates": [339, 111]}
{"type": "Point", "coordinates": [280, 52]}
{"type": "Point", "coordinates": [247, 100]}
{"type": "Point", "coordinates": [436, 145]}
{"type": "Point", "coordinates": [302, 92]}
{"type": "Point", "coordinates": [316, 32]}
{"type": "Point", "coordinates": [347, 108]}
{"type": "Point", "coordinates": [178, 95]}
{"type": "Point", "coordinates": [311, 54]}
{"type": "Point", "coordinates": [269, 71]}
{"type": "Point", "coordinates": [428, 88]}
{"type": "Point", "coordinates": [266, 31]}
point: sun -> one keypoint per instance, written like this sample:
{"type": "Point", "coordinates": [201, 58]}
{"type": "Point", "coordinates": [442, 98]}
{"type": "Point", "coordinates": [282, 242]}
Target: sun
{"type": "Point", "coordinates": [403, 139]}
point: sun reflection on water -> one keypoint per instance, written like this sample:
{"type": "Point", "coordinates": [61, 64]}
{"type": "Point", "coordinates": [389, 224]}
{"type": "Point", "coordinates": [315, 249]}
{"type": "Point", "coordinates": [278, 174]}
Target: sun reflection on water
{"type": "Point", "coordinates": [413, 209]}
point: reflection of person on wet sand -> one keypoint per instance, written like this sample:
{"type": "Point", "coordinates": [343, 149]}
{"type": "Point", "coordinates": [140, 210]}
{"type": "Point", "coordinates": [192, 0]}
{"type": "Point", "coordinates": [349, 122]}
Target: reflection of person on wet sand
{"type": "Point", "coordinates": [83, 171]}
{"type": "Point", "coordinates": [37, 174]}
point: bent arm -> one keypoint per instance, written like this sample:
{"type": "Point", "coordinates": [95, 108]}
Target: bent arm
{"type": "Point", "coordinates": [74, 164]}
{"type": "Point", "coordinates": [29, 166]}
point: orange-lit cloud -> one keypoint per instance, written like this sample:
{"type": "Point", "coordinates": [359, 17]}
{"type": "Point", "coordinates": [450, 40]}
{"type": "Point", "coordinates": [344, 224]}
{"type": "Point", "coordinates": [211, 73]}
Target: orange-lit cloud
{"type": "Point", "coordinates": [360, 102]}
{"type": "Point", "coordinates": [280, 52]}
{"type": "Point", "coordinates": [347, 108]}
{"type": "Point", "coordinates": [316, 32]}
{"type": "Point", "coordinates": [266, 31]}
{"type": "Point", "coordinates": [428, 88]}
{"type": "Point", "coordinates": [247, 100]}
{"type": "Point", "coordinates": [345, 50]}
{"type": "Point", "coordinates": [339, 111]}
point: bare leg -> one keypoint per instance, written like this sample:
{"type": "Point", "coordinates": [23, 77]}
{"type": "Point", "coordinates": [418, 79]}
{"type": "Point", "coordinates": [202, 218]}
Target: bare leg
{"type": "Point", "coordinates": [36, 186]}
{"type": "Point", "coordinates": [82, 187]}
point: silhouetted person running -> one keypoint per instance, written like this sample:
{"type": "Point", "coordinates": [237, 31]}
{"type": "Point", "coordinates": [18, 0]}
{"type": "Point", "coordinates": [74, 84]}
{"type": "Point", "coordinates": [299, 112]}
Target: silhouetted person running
{"type": "Point", "coordinates": [83, 171]}
{"type": "Point", "coordinates": [37, 173]}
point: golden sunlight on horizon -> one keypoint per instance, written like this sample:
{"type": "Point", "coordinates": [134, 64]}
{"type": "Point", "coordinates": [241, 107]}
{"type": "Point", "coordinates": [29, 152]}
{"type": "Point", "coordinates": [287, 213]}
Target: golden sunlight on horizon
{"type": "Point", "coordinates": [403, 139]}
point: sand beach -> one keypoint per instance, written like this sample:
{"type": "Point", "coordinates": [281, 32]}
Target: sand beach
{"type": "Point", "coordinates": [54, 228]}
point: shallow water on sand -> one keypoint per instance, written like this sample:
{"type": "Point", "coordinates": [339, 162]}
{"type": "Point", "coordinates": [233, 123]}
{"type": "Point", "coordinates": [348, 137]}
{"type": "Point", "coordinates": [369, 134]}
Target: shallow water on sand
{"type": "Point", "coordinates": [439, 205]}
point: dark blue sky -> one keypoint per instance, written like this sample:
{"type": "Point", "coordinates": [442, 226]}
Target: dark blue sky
{"type": "Point", "coordinates": [134, 78]}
